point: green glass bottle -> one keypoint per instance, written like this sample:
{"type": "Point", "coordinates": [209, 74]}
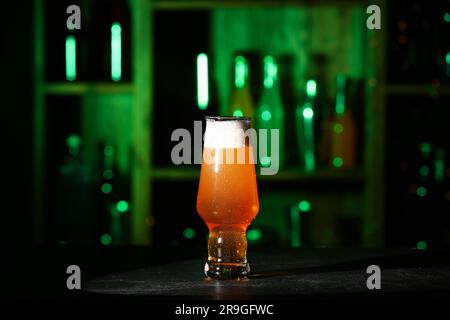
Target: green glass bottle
{"type": "Point", "coordinates": [305, 127]}
{"type": "Point", "coordinates": [270, 111]}
{"type": "Point", "coordinates": [241, 100]}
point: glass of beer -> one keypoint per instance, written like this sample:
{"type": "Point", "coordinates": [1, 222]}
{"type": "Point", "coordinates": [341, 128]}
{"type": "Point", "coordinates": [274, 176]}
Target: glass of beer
{"type": "Point", "coordinates": [227, 195]}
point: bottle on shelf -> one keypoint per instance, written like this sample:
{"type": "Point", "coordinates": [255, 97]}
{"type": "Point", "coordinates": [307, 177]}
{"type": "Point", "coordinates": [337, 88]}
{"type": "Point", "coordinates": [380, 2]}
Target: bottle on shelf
{"type": "Point", "coordinates": [424, 169]}
{"type": "Point", "coordinates": [299, 220]}
{"type": "Point", "coordinates": [113, 204]}
{"type": "Point", "coordinates": [241, 99]}
{"type": "Point", "coordinates": [286, 83]}
{"type": "Point", "coordinates": [318, 91]}
{"type": "Point", "coordinates": [426, 231]}
{"type": "Point", "coordinates": [74, 219]}
{"type": "Point", "coordinates": [343, 131]}
{"type": "Point", "coordinates": [305, 124]}
{"type": "Point", "coordinates": [270, 111]}
{"type": "Point", "coordinates": [109, 41]}
{"type": "Point", "coordinates": [311, 117]}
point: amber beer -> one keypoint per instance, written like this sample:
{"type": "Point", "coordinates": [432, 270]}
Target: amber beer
{"type": "Point", "coordinates": [227, 196]}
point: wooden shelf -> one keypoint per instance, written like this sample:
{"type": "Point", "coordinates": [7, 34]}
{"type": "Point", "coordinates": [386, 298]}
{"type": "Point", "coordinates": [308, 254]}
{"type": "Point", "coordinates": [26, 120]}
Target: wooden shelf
{"type": "Point", "coordinates": [175, 174]}
{"type": "Point", "coordinates": [79, 88]}
{"type": "Point", "coordinates": [323, 175]}
{"type": "Point", "coordinates": [288, 175]}
{"type": "Point", "coordinates": [417, 89]}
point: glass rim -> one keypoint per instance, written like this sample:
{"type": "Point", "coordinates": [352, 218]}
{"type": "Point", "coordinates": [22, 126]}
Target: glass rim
{"type": "Point", "coordinates": [227, 118]}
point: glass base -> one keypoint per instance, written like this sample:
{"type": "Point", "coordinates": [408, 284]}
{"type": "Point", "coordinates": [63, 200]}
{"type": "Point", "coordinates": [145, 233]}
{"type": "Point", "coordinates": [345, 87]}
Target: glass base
{"type": "Point", "coordinates": [226, 271]}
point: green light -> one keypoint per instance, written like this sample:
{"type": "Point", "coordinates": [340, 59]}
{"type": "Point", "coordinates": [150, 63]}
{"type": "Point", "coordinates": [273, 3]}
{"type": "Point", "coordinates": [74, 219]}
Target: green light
{"type": "Point", "coordinates": [238, 113]}
{"type": "Point", "coordinates": [304, 206]}
{"type": "Point", "coordinates": [202, 81]}
{"type": "Point", "coordinates": [122, 206]}
{"type": "Point", "coordinates": [421, 191]}
{"type": "Point", "coordinates": [439, 165]}
{"type": "Point", "coordinates": [340, 94]}
{"type": "Point", "coordinates": [116, 51]}
{"type": "Point", "coordinates": [338, 162]}
{"type": "Point", "coordinates": [254, 235]}
{"type": "Point", "coordinates": [424, 171]}
{"type": "Point", "coordinates": [308, 115]}
{"type": "Point", "coordinates": [338, 128]}
{"type": "Point", "coordinates": [308, 112]}
{"type": "Point", "coordinates": [241, 71]}
{"type": "Point", "coordinates": [447, 17]}
{"type": "Point", "coordinates": [447, 58]}
{"type": "Point", "coordinates": [71, 58]}
{"type": "Point", "coordinates": [265, 161]}
{"type": "Point", "coordinates": [106, 239]}
{"type": "Point", "coordinates": [266, 115]}
{"type": "Point", "coordinates": [296, 240]}
{"type": "Point", "coordinates": [189, 233]}
{"type": "Point", "coordinates": [73, 141]}
{"type": "Point", "coordinates": [108, 174]}
{"type": "Point", "coordinates": [311, 88]}
{"type": "Point", "coordinates": [421, 245]}
{"type": "Point", "coordinates": [106, 188]}
{"type": "Point", "coordinates": [270, 72]}
{"type": "Point", "coordinates": [425, 149]}
{"type": "Point", "coordinates": [108, 151]}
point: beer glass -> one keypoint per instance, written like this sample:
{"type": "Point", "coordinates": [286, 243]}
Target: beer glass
{"type": "Point", "coordinates": [227, 197]}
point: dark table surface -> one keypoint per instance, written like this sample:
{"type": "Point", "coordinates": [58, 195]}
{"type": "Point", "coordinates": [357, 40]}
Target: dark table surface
{"type": "Point", "coordinates": [289, 273]}
{"type": "Point", "coordinates": [127, 272]}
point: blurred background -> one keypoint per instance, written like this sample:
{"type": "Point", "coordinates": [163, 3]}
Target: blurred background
{"type": "Point", "coordinates": [363, 116]}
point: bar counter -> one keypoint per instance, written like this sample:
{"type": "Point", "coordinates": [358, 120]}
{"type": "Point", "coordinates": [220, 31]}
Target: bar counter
{"type": "Point", "coordinates": [301, 273]}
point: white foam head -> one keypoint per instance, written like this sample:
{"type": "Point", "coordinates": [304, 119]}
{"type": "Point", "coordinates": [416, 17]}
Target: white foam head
{"type": "Point", "coordinates": [226, 132]}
